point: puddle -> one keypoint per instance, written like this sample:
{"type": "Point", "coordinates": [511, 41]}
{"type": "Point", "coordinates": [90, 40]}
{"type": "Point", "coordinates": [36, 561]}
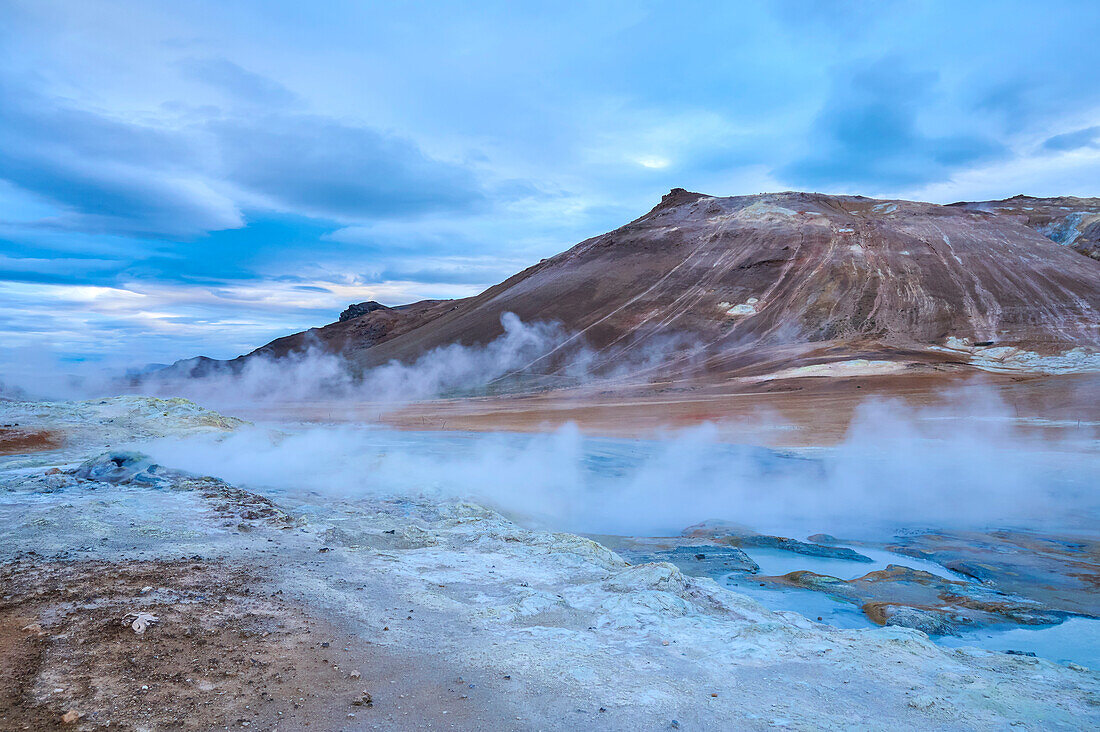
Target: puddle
{"type": "Point", "coordinates": [1076, 640]}
{"type": "Point", "coordinates": [807, 603]}
{"type": "Point", "coordinates": [776, 562]}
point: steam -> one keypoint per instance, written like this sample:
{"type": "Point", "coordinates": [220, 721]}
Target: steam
{"type": "Point", "coordinates": [316, 373]}
{"type": "Point", "coordinates": [525, 356]}
{"type": "Point", "coordinates": [966, 466]}
{"type": "Point", "coordinates": [969, 464]}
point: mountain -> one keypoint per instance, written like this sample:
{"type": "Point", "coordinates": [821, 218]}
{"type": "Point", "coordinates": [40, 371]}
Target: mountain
{"type": "Point", "coordinates": [1074, 222]}
{"type": "Point", "coordinates": [783, 284]}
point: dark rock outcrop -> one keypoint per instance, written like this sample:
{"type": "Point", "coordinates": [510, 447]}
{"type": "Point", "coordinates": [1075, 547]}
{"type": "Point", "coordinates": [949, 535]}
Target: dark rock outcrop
{"type": "Point", "coordinates": [359, 309]}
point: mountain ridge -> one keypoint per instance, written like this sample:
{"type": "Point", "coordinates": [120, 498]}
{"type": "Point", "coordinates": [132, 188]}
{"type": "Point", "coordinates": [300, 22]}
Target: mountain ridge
{"type": "Point", "coordinates": [769, 282]}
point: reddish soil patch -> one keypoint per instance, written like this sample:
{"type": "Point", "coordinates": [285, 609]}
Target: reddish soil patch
{"type": "Point", "coordinates": [15, 441]}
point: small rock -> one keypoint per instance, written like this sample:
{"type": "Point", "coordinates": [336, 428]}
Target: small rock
{"type": "Point", "coordinates": [70, 716]}
{"type": "Point", "coordinates": [146, 588]}
{"type": "Point", "coordinates": [675, 724]}
{"type": "Point", "coordinates": [35, 628]}
{"type": "Point", "coordinates": [354, 674]}
{"type": "Point", "coordinates": [364, 701]}
{"type": "Point", "coordinates": [140, 621]}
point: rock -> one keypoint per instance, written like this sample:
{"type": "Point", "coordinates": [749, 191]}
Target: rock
{"type": "Point", "coordinates": [737, 536]}
{"type": "Point", "coordinates": [904, 597]}
{"type": "Point", "coordinates": [661, 576]}
{"type": "Point", "coordinates": [126, 468]}
{"type": "Point", "coordinates": [699, 560]}
{"type": "Point", "coordinates": [409, 536]}
{"type": "Point", "coordinates": [70, 717]}
{"type": "Point", "coordinates": [359, 309]}
{"type": "Point", "coordinates": [1061, 572]}
{"type": "Point", "coordinates": [930, 622]}
{"type": "Point", "coordinates": [364, 701]}
{"type": "Point", "coordinates": [139, 621]}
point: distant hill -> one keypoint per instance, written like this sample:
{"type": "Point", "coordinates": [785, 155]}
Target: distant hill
{"type": "Point", "coordinates": [758, 285]}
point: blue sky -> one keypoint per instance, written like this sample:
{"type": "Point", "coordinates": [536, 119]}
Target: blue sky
{"type": "Point", "coordinates": [200, 177]}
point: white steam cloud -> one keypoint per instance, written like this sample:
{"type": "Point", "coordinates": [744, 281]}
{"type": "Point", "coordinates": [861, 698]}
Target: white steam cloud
{"type": "Point", "coordinates": [316, 374]}
{"type": "Point", "coordinates": [527, 355]}
{"type": "Point", "coordinates": [967, 466]}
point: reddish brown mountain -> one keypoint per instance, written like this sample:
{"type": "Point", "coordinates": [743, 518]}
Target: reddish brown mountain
{"type": "Point", "coordinates": [754, 285]}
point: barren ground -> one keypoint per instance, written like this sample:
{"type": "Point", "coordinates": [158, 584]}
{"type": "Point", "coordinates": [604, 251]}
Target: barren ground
{"type": "Point", "coordinates": [281, 612]}
{"type": "Point", "coordinates": [784, 413]}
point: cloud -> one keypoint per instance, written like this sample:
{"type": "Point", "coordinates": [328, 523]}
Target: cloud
{"type": "Point", "coordinates": [188, 171]}
{"type": "Point", "coordinates": [322, 167]}
{"type": "Point", "coordinates": [107, 174]}
{"type": "Point", "coordinates": [868, 133]}
{"type": "Point", "coordinates": [239, 84]}
{"type": "Point", "coordinates": [1088, 137]}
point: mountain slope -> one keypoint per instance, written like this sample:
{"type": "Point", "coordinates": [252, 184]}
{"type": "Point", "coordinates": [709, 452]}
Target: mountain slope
{"type": "Point", "coordinates": [753, 285]}
{"type": "Point", "coordinates": [1068, 220]}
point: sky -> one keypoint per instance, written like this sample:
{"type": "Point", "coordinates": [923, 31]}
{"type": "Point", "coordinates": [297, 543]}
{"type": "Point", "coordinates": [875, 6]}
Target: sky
{"type": "Point", "coordinates": [197, 178]}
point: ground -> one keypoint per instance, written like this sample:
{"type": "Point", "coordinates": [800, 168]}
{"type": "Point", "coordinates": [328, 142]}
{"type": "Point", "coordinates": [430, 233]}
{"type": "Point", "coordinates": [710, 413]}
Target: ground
{"type": "Point", "coordinates": [446, 613]}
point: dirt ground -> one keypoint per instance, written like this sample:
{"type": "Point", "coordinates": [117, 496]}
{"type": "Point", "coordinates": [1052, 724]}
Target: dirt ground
{"type": "Point", "coordinates": [783, 413]}
{"type": "Point", "coordinates": [223, 654]}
